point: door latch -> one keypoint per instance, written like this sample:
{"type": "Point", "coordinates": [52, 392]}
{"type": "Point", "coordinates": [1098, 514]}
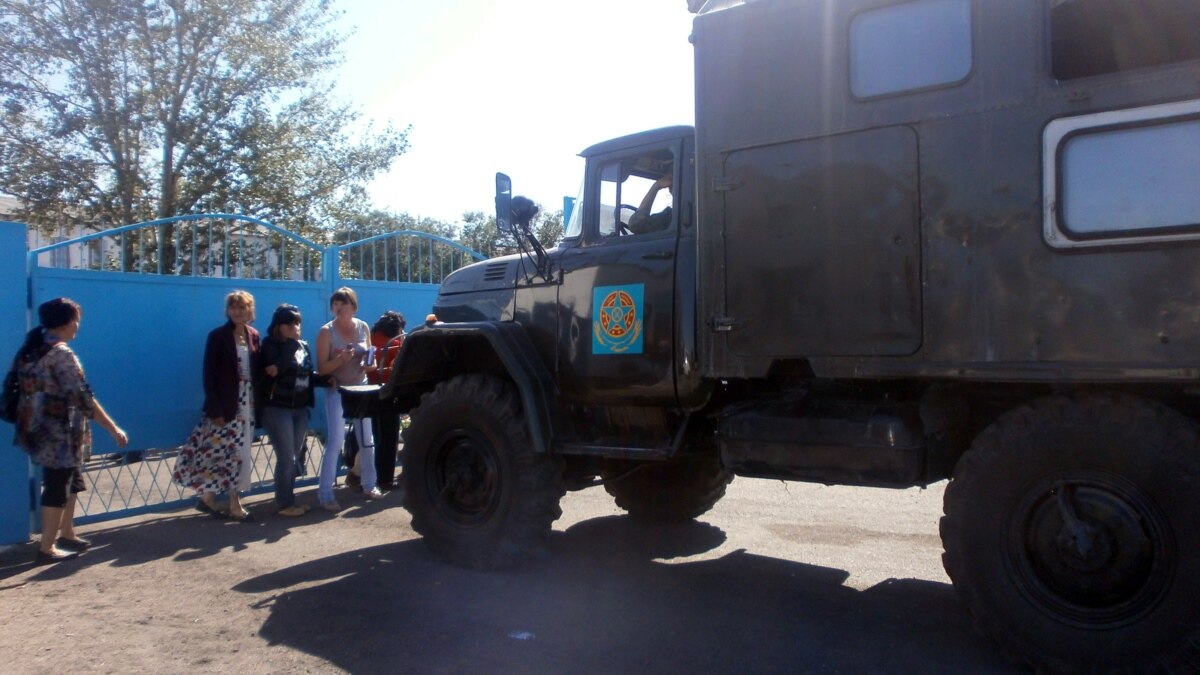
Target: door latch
{"type": "Point", "coordinates": [723, 324]}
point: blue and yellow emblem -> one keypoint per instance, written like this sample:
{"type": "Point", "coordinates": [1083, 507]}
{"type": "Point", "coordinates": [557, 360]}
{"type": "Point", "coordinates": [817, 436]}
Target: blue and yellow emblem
{"type": "Point", "coordinates": [617, 319]}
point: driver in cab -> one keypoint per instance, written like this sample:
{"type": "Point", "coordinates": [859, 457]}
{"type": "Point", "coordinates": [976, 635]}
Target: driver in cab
{"type": "Point", "coordinates": [642, 221]}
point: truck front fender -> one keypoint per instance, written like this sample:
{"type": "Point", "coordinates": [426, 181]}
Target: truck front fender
{"type": "Point", "coordinates": [431, 355]}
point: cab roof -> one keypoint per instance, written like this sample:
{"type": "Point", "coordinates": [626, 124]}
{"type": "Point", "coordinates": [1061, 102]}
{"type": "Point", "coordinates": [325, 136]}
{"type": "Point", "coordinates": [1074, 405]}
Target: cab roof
{"type": "Point", "coordinates": [639, 139]}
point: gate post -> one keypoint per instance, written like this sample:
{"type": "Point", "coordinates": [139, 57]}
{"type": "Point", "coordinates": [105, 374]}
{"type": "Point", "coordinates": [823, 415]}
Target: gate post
{"type": "Point", "coordinates": [16, 510]}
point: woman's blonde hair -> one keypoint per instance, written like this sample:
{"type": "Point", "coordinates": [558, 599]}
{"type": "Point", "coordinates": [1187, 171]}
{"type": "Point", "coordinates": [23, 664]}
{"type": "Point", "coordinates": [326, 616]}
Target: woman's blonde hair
{"type": "Point", "coordinates": [241, 298]}
{"type": "Point", "coordinates": [345, 294]}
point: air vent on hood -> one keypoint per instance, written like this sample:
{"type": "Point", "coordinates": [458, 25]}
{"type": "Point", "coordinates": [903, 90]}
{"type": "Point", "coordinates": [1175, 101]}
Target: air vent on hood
{"type": "Point", "coordinates": [495, 271]}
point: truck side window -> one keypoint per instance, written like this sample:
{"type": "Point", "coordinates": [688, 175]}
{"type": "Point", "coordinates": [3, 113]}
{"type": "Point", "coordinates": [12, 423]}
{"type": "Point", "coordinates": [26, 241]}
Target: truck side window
{"type": "Point", "coordinates": [1123, 175]}
{"type": "Point", "coordinates": [910, 46]}
{"type": "Point", "coordinates": [1096, 37]}
{"type": "Point", "coordinates": [1141, 178]}
{"type": "Point", "coordinates": [636, 195]}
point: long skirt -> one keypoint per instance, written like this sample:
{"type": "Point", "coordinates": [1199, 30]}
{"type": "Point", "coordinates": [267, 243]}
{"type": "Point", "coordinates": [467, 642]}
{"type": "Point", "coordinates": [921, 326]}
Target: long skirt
{"type": "Point", "coordinates": [217, 458]}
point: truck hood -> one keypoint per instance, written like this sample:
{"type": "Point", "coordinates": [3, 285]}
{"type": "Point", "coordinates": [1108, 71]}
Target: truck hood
{"type": "Point", "coordinates": [487, 275]}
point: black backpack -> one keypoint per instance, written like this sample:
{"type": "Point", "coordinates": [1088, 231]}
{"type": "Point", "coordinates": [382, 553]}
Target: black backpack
{"type": "Point", "coordinates": [10, 397]}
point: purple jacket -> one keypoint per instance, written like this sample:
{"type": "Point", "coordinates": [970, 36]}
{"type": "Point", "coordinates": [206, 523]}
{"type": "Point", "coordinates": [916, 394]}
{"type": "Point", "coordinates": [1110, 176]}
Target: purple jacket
{"type": "Point", "coordinates": [221, 370]}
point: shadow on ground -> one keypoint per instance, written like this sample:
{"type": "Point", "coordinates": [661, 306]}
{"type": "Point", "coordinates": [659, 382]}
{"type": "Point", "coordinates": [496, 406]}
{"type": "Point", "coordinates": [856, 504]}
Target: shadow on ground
{"type": "Point", "coordinates": [614, 596]}
{"type": "Point", "coordinates": [181, 535]}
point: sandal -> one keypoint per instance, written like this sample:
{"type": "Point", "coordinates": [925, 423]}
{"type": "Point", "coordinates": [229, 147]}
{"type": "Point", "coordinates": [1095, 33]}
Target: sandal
{"type": "Point", "coordinates": [77, 544]}
{"type": "Point", "coordinates": [44, 558]}
{"type": "Point", "coordinates": [246, 517]}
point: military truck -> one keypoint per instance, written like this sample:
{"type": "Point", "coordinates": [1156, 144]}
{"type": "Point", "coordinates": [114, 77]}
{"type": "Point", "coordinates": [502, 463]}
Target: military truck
{"type": "Point", "coordinates": [904, 242]}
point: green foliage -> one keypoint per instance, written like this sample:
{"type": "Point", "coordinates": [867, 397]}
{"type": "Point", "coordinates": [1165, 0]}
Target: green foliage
{"type": "Point", "coordinates": [479, 233]}
{"type": "Point", "coordinates": [123, 111]}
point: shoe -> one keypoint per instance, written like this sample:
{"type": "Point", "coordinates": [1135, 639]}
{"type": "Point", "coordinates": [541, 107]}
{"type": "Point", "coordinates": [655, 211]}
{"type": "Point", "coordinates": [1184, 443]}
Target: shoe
{"type": "Point", "coordinates": [373, 494]}
{"type": "Point", "coordinates": [246, 517]}
{"type": "Point", "coordinates": [354, 482]}
{"type": "Point", "coordinates": [385, 486]}
{"type": "Point", "coordinates": [55, 555]}
{"type": "Point", "coordinates": [78, 544]}
{"type": "Point", "coordinates": [332, 506]}
{"type": "Point", "coordinates": [293, 511]}
{"type": "Point", "coordinates": [215, 513]}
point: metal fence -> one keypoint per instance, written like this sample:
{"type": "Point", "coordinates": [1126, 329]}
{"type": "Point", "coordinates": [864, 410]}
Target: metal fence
{"type": "Point", "coordinates": [152, 291]}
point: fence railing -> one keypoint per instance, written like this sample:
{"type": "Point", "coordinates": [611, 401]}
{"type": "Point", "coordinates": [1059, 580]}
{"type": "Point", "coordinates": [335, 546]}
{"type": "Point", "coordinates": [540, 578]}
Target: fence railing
{"type": "Point", "coordinates": [404, 256]}
{"type": "Point", "coordinates": [230, 246]}
{"type": "Point", "coordinates": [146, 367]}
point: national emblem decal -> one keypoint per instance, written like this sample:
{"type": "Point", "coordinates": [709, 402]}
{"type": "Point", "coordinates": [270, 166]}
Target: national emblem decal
{"type": "Point", "coordinates": [617, 319]}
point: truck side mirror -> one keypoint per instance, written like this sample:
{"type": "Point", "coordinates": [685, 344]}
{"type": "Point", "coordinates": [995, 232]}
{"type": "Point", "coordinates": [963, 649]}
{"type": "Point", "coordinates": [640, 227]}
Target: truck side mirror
{"type": "Point", "coordinates": [504, 204]}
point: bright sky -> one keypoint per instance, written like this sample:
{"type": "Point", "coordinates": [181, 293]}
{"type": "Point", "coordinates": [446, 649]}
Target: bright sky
{"type": "Point", "coordinates": [519, 86]}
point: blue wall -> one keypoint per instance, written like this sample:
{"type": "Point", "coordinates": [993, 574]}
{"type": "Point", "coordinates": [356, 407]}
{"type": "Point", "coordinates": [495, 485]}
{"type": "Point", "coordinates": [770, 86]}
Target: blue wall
{"type": "Point", "coordinates": [142, 337]}
{"type": "Point", "coordinates": [15, 487]}
{"type": "Point", "coordinates": [141, 342]}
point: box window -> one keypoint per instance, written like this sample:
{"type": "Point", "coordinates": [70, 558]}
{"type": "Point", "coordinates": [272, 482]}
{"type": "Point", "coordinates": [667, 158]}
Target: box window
{"type": "Point", "coordinates": [1123, 176]}
{"type": "Point", "coordinates": [1128, 180]}
{"type": "Point", "coordinates": [911, 46]}
{"type": "Point", "coordinates": [1096, 37]}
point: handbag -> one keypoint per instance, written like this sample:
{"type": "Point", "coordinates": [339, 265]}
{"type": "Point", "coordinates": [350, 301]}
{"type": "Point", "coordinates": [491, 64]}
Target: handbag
{"type": "Point", "coordinates": [10, 398]}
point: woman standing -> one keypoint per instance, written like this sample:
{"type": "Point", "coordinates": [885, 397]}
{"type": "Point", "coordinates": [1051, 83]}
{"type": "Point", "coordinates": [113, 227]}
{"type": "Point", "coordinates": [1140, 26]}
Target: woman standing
{"type": "Point", "coordinates": [387, 335]}
{"type": "Point", "coordinates": [342, 348]}
{"type": "Point", "coordinates": [286, 393]}
{"type": "Point", "coordinates": [217, 455]}
{"type": "Point", "coordinates": [56, 402]}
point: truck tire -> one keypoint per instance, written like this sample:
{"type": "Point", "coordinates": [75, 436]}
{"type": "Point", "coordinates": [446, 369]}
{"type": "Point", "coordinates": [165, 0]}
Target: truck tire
{"type": "Point", "coordinates": [1069, 532]}
{"type": "Point", "coordinates": [478, 493]}
{"type": "Point", "coordinates": [666, 491]}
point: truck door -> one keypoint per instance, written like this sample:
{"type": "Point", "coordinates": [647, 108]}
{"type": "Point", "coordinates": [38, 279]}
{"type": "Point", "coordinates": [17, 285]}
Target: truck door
{"type": "Point", "coordinates": [617, 296]}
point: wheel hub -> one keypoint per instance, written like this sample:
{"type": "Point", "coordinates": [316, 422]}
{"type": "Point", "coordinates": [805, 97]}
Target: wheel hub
{"type": "Point", "coordinates": [1091, 549]}
{"type": "Point", "coordinates": [465, 480]}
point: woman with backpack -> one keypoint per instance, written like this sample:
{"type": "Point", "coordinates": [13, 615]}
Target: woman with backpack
{"type": "Point", "coordinates": [55, 405]}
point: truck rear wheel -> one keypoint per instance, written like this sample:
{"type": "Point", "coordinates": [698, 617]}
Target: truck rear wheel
{"type": "Point", "coordinates": [666, 491]}
{"type": "Point", "coordinates": [477, 491]}
{"type": "Point", "coordinates": [1069, 533]}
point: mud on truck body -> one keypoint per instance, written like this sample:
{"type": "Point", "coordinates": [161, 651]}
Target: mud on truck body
{"type": "Point", "coordinates": [905, 242]}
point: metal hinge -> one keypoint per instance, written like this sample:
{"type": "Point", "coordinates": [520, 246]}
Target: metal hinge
{"type": "Point", "coordinates": [723, 324]}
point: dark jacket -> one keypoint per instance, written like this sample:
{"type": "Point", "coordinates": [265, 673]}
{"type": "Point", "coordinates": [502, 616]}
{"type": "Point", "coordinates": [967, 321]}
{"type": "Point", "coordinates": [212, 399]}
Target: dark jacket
{"type": "Point", "coordinates": [221, 370]}
{"type": "Point", "coordinates": [280, 391]}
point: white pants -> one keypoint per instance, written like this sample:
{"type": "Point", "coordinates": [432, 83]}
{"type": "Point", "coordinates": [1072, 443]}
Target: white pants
{"type": "Point", "coordinates": [246, 451]}
{"type": "Point", "coordinates": [335, 437]}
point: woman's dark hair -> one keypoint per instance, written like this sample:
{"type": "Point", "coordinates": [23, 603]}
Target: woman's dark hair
{"type": "Point", "coordinates": [285, 315]}
{"type": "Point", "coordinates": [52, 314]}
{"type": "Point", "coordinates": [390, 324]}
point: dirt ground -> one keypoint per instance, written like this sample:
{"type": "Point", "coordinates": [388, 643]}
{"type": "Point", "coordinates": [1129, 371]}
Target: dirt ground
{"type": "Point", "coordinates": [777, 578]}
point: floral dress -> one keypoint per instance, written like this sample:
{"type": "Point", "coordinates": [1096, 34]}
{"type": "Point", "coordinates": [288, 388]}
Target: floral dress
{"type": "Point", "coordinates": [215, 458]}
{"type": "Point", "coordinates": [55, 406]}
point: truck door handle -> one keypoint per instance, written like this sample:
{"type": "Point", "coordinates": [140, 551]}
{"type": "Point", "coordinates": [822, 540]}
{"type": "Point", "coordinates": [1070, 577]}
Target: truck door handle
{"type": "Point", "coordinates": [660, 255]}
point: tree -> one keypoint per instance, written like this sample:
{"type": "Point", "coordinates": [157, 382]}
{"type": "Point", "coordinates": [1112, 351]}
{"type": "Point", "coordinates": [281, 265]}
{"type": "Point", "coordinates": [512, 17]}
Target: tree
{"type": "Point", "coordinates": [479, 232]}
{"type": "Point", "coordinates": [121, 111]}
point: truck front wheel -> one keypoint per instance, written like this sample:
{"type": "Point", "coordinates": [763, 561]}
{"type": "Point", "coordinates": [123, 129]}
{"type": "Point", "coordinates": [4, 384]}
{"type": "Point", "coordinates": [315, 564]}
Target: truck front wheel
{"type": "Point", "coordinates": [1069, 533]}
{"type": "Point", "coordinates": [674, 491]}
{"type": "Point", "coordinates": [478, 493]}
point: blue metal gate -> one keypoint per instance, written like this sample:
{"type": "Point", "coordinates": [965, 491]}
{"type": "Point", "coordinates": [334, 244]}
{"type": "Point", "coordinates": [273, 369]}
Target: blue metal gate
{"type": "Point", "coordinates": [152, 291]}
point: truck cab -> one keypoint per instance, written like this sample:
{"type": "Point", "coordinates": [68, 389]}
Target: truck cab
{"type": "Point", "coordinates": [611, 313]}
